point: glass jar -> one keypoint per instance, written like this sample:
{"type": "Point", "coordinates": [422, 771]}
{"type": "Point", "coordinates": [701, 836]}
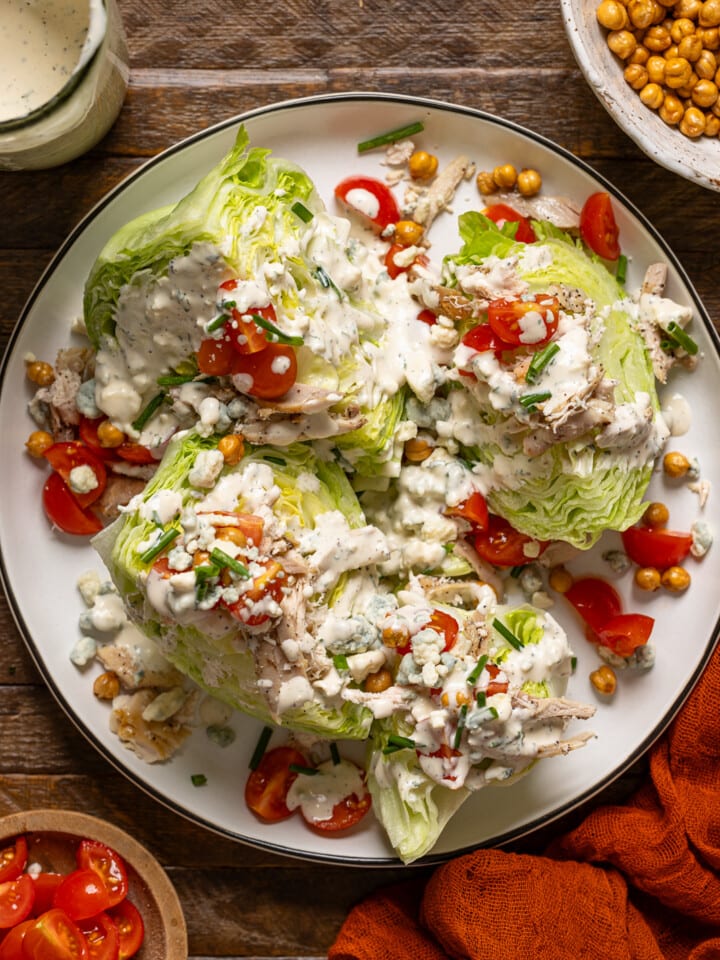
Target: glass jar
{"type": "Point", "coordinates": [64, 72]}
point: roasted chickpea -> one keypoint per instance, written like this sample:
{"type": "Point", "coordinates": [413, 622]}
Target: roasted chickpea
{"type": "Point", "coordinates": [656, 515]}
{"type": "Point", "coordinates": [636, 76]}
{"type": "Point", "coordinates": [200, 558]}
{"type": "Point", "coordinates": [712, 125]}
{"type": "Point", "coordinates": [40, 372]}
{"type": "Point", "coordinates": [641, 56]}
{"type": "Point", "coordinates": [612, 15]}
{"type": "Point", "coordinates": [656, 69]}
{"type": "Point", "coordinates": [106, 686]}
{"type": "Point", "coordinates": [657, 39]}
{"type": "Point", "coordinates": [395, 636]}
{"type": "Point", "coordinates": [706, 65]}
{"type": "Point", "coordinates": [680, 28]}
{"type": "Point", "coordinates": [652, 96]}
{"type": "Point", "coordinates": [109, 436]}
{"type": "Point", "coordinates": [232, 448]}
{"type": "Point", "coordinates": [560, 580]}
{"type": "Point", "coordinates": [688, 8]}
{"type": "Point", "coordinates": [704, 93]}
{"type": "Point", "coordinates": [505, 176]}
{"type": "Point", "coordinates": [647, 578]}
{"type": "Point", "coordinates": [231, 535]}
{"type": "Point", "coordinates": [692, 123]}
{"type": "Point", "coordinates": [672, 110]}
{"type": "Point", "coordinates": [622, 43]}
{"type": "Point", "coordinates": [676, 579]}
{"type": "Point", "coordinates": [485, 182]}
{"type": "Point", "coordinates": [378, 681]}
{"type": "Point", "coordinates": [422, 165]}
{"type": "Point", "coordinates": [38, 442]}
{"type": "Point", "coordinates": [529, 182]}
{"type": "Point", "coordinates": [709, 13]}
{"type": "Point", "coordinates": [408, 232]}
{"type": "Point", "coordinates": [675, 464]}
{"type": "Point", "coordinates": [690, 48]}
{"type": "Point", "coordinates": [604, 680]}
{"type": "Point", "coordinates": [677, 72]}
{"type": "Point", "coordinates": [641, 13]}
{"type": "Point", "coordinates": [710, 37]}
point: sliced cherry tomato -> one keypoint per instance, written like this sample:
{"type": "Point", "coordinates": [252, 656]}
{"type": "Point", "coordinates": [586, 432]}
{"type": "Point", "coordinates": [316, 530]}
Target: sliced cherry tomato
{"type": "Point", "coordinates": [82, 894]}
{"type": "Point", "coordinates": [267, 786]}
{"type": "Point", "coordinates": [11, 947]}
{"type": "Point", "coordinates": [598, 226]}
{"type": "Point", "coordinates": [135, 453]}
{"type": "Point", "coordinates": [524, 323]}
{"type": "Point", "coordinates": [345, 814]}
{"type": "Point", "coordinates": [370, 200]}
{"type": "Point", "coordinates": [250, 525]}
{"type": "Point", "coordinates": [88, 433]}
{"type": "Point", "coordinates": [244, 334]}
{"type": "Point", "coordinates": [495, 686]}
{"type": "Point", "coordinates": [596, 600]}
{"type": "Point", "coordinates": [102, 936]}
{"type": "Point", "coordinates": [94, 855]}
{"type": "Point", "coordinates": [63, 510]}
{"type": "Point", "coordinates": [483, 338]}
{"type": "Point", "coordinates": [270, 373]}
{"type": "Point", "coordinates": [625, 633]}
{"type": "Point", "coordinates": [130, 926]}
{"type": "Point", "coordinates": [502, 545]}
{"type": "Point", "coordinates": [54, 935]}
{"type": "Point", "coordinates": [215, 357]}
{"type": "Point", "coordinates": [501, 213]}
{"type": "Point", "coordinates": [393, 268]}
{"type": "Point", "coordinates": [442, 623]}
{"type": "Point", "coordinates": [267, 584]}
{"type": "Point", "coordinates": [45, 886]}
{"type": "Point", "coordinates": [66, 456]}
{"type": "Point", "coordinates": [445, 751]}
{"type": "Point", "coordinates": [16, 900]}
{"type": "Point", "coordinates": [474, 510]}
{"type": "Point", "coordinates": [656, 547]}
{"type": "Point", "coordinates": [428, 317]}
{"type": "Point", "coordinates": [13, 859]}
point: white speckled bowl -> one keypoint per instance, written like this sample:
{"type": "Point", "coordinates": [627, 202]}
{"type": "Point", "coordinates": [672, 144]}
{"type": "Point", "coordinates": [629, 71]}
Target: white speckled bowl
{"type": "Point", "coordinates": [52, 837]}
{"type": "Point", "coordinates": [696, 160]}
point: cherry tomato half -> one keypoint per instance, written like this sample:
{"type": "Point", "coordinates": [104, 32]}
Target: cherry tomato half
{"type": "Point", "coordinates": [96, 856]}
{"type": "Point", "coordinates": [16, 900]}
{"type": "Point", "coordinates": [12, 946]}
{"type": "Point", "coordinates": [474, 510]}
{"type": "Point", "coordinates": [345, 814]}
{"type": "Point", "coordinates": [656, 547]}
{"type": "Point", "coordinates": [526, 323]}
{"type": "Point", "coordinates": [596, 600]}
{"type": "Point", "coordinates": [55, 935]}
{"type": "Point", "coordinates": [427, 316]}
{"type": "Point", "coordinates": [88, 433]}
{"type": "Point", "coordinates": [440, 622]}
{"type": "Point", "coordinates": [102, 937]}
{"type": "Point", "coordinates": [501, 213]}
{"type": "Point", "coordinates": [66, 456]}
{"type": "Point", "coordinates": [482, 338]}
{"type": "Point", "coordinates": [135, 453]}
{"type": "Point", "coordinates": [63, 510]}
{"type": "Point", "coordinates": [244, 334]}
{"type": "Point", "coordinates": [267, 584]}
{"type": "Point", "coordinates": [215, 356]}
{"type": "Point", "coordinates": [270, 373]}
{"type": "Point", "coordinates": [267, 786]}
{"type": "Point", "coordinates": [13, 859]}
{"type": "Point", "coordinates": [502, 545]}
{"type": "Point", "coordinates": [82, 894]}
{"type": "Point", "coordinates": [598, 226]}
{"type": "Point", "coordinates": [250, 525]}
{"type": "Point", "coordinates": [46, 885]}
{"type": "Point", "coordinates": [394, 268]}
{"type": "Point", "coordinates": [370, 200]}
{"type": "Point", "coordinates": [625, 633]}
{"type": "Point", "coordinates": [130, 927]}
{"type": "Point", "coordinates": [495, 686]}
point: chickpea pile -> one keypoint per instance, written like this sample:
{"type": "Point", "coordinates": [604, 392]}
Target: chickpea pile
{"type": "Point", "coordinates": [527, 182]}
{"type": "Point", "coordinates": [670, 49]}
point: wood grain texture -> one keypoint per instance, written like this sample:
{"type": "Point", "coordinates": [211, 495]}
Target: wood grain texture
{"type": "Point", "coordinates": [190, 68]}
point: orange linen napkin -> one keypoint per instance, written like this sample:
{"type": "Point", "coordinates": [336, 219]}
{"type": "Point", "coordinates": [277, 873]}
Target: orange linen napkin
{"type": "Point", "coordinates": [640, 881]}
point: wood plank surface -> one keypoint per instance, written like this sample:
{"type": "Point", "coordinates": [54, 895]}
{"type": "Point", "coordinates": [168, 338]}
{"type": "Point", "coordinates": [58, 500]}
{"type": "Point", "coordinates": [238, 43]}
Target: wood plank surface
{"type": "Point", "coordinates": [194, 64]}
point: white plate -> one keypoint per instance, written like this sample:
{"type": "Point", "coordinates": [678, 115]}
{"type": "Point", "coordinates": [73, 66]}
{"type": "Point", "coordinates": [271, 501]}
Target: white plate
{"type": "Point", "coordinates": [40, 567]}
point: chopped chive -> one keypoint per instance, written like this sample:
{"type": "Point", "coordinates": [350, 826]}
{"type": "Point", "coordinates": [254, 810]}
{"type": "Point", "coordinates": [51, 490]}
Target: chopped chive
{"type": "Point", "coordinates": [507, 634]}
{"type": "Point", "coordinates": [260, 748]}
{"type": "Point", "coordinates": [198, 779]}
{"type": "Point", "coordinates": [165, 540]}
{"type": "Point", "coordinates": [474, 674]}
{"type": "Point", "coordinates": [220, 320]}
{"type": "Point", "coordinates": [395, 742]}
{"type": "Point", "coordinates": [341, 662]}
{"type": "Point", "coordinates": [481, 698]}
{"type": "Point", "coordinates": [325, 281]}
{"type": "Point", "coordinates": [177, 379]}
{"type": "Point", "coordinates": [621, 271]}
{"type": "Point", "coordinates": [530, 399]}
{"type": "Point", "coordinates": [306, 771]}
{"type": "Point", "coordinates": [681, 338]}
{"type": "Point", "coordinates": [516, 571]}
{"type": "Point", "coordinates": [392, 136]}
{"type": "Point", "coordinates": [487, 713]}
{"type": "Point", "coordinates": [573, 664]}
{"type": "Point", "coordinates": [334, 753]}
{"type": "Point", "coordinates": [149, 410]}
{"type": "Point", "coordinates": [460, 726]}
{"type": "Point", "coordinates": [277, 335]}
{"type": "Point", "coordinates": [300, 210]}
{"type": "Point", "coordinates": [278, 460]}
{"type": "Point", "coordinates": [223, 559]}
{"type": "Point", "coordinates": [539, 361]}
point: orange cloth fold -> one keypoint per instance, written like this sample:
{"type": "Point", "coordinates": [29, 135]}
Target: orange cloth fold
{"type": "Point", "coordinates": [637, 881]}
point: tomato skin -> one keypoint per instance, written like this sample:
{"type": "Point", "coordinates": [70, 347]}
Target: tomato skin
{"type": "Point", "coordinates": [656, 547]}
{"type": "Point", "coordinates": [88, 433]}
{"type": "Point", "coordinates": [244, 334]}
{"type": "Point", "coordinates": [11, 947]}
{"type": "Point", "coordinates": [440, 622]}
{"type": "Point", "coordinates": [267, 786]}
{"type": "Point", "coordinates": [135, 453]}
{"type": "Point", "coordinates": [598, 227]}
{"type": "Point", "coordinates": [394, 269]}
{"type": "Point", "coordinates": [63, 510]}
{"type": "Point", "coordinates": [596, 600]}
{"type": "Point", "coordinates": [16, 900]}
{"type": "Point", "coordinates": [345, 814]}
{"type": "Point", "coordinates": [625, 633]}
{"type": "Point", "coordinates": [474, 510]}
{"type": "Point", "coordinates": [96, 856]}
{"type": "Point", "coordinates": [502, 545]}
{"type": "Point", "coordinates": [483, 338]}
{"type": "Point", "coordinates": [504, 318]}
{"type": "Point", "coordinates": [63, 457]}
{"type": "Point", "coordinates": [387, 209]}
{"type": "Point", "coordinates": [215, 356]}
{"type": "Point", "coordinates": [428, 317]}
{"type": "Point", "coordinates": [82, 894]}
{"type": "Point", "coordinates": [54, 935]}
{"type": "Point", "coordinates": [495, 686]}
{"type": "Point", "coordinates": [130, 928]}
{"type": "Point", "coordinates": [267, 383]}
{"type": "Point", "coordinates": [501, 213]}
{"type": "Point", "coordinates": [102, 937]}
{"type": "Point", "coordinates": [45, 886]}
{"type": "Point", "coordinates": [13, 859]}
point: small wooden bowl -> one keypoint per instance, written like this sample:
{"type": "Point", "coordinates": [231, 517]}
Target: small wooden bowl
{"type": "Point", "coordinates": [52, 836]}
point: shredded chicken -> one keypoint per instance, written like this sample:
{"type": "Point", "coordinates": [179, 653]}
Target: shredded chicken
{"type": "Point", "coordinates": [440, 195]}
{"type": "Point", "coordinates": [152, 740]}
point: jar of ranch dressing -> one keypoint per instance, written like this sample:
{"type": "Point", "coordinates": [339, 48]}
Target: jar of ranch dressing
{"type": "Point", "coordinates": [63, 79]}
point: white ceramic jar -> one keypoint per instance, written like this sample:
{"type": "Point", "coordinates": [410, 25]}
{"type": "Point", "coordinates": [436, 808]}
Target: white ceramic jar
{"type": "Point", "coordinates": [63, 79]}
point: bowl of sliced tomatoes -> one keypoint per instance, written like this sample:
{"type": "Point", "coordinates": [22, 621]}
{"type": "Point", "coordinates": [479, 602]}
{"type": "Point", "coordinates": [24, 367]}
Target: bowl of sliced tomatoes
{"type": "Point", "coordinates": [74, 887]}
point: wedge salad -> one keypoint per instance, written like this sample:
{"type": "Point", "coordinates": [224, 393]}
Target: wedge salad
{"type": "Point", "coordinates": [331, 477]}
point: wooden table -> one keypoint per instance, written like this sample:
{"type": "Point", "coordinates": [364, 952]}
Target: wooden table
{"type": "Point", "coordinates": [193, 64]}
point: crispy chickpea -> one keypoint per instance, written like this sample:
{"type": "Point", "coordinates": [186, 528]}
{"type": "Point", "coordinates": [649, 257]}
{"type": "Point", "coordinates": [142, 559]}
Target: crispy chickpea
{"type": "Point", "coordinates": [529, 182]}
{"type": "Point", "coordinates": [622, 43]}
{"type": "Point", "coordinates": [688, 8]}
{"type": "Point", "coordinates": [672, 110]}
{"type": "Point", "coordinates": [231, 535]}
{"type": "Point", "coordinates": [378, 681]}
{"type": "Point", "coordinates": [612, 15]}
{"type": "Point", "coordinates": [657, 39]}
{"type": "Point", "coordinates": [408, 232]}
{"type": "Point", "coordinates": [38, 442]}
{"type": "Point", "coordinates": [417, 450]}
{"type": "Point", "coordinates": [690, 48]}
{"type": "Point", "coordinates": [636, 76]}
{"type": "Point", "coordinates": [485, 183]}
{"type": "Point", "coordinates": [676, 579]}
{"type": "Point", "coordinates": [647, 578]}
{"type": "Point", "coordinates": [710, 37]}
{"type": "Point", "coordinates": [641, 55]}
{"type": "Point", "coordinates": [693, 122]}
{"type": "Point", "coordinates": [712, 125]}
{"type": "Point", "coordinates": [656, 69]}
{"type": "Point", "coordinates": [109, 435]}
{"type": "Point", "coordinates": [677, 72]}
{"type": "Point", "coordinates": [505, 176]}
{"type": "Point", "coordinates": [704, 93]}
{"type": "Point", "coordinates": [560, 580]}
{"type": "Point", "coordinates": [604, 680]}
{"type": "Point", "coordinates": [232, 448]}
{"type": "Point", "coordinates": [641, 13]}
{"type": "Point", "coordinates": [675, 464]}
{"type": "Point", "coordinates": [422, 165]}
{"type": "Point", "coordinates": [106, 686]}
{"type": "Point", "coordinates": [200, 558]}
{"type": "Point", "coordinates": [671, 52]}
{"type": "Point", "coordinates": [40, 372]}
{"type": "Point", "coordinates": [656, 515]}
{"type": "Point", "coordinates": [706, 65]}
{"type": "Point", "coordinates": [652, 96]}
{"type": "Point", "coordinates": [709, 13]}
{"type": "Point", "coordinates": [681, 27]}
{"type": "Point", "coordinates": [395, 636]}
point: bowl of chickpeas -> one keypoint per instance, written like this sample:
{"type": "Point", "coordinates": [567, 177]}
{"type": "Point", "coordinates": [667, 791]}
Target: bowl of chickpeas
{"type": "Point", "coordinates": [655, 66]}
